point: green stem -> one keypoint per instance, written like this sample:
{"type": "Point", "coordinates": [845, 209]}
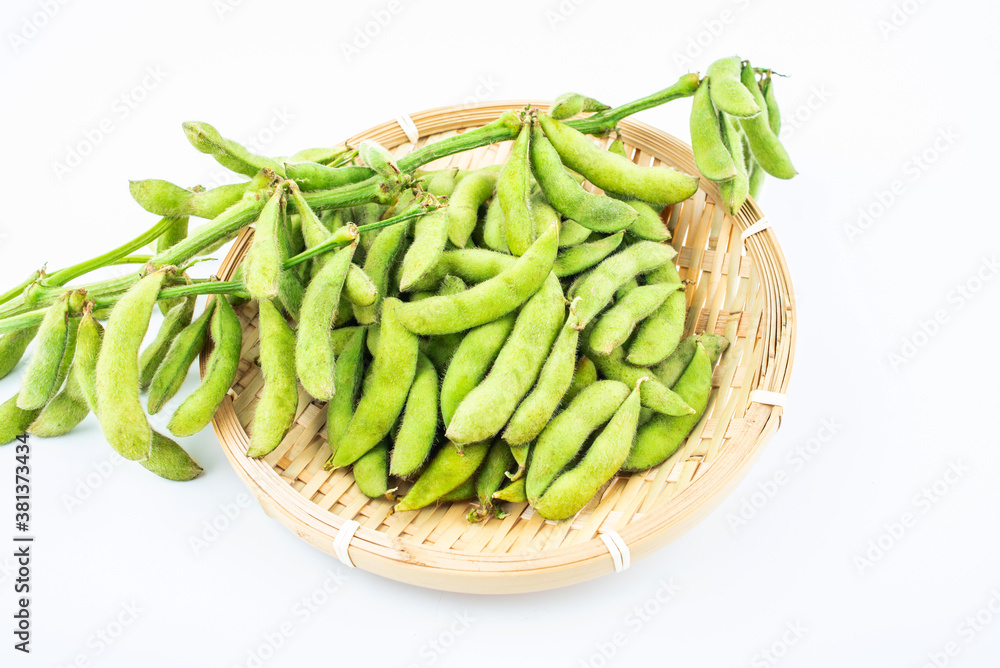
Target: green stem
{"type": "Point", "coordinates": [606, 120]}
{"type": "Point", "coordinates": [18, 290]}
{"type": "Point", "coordinates": [28, 319]}
{"type": "Point", "coordinates": [133, 259]}
{"type": "Point", "coordinates": [64, 276]}
{"type": "Point", "coordinates": [225, 224]}
{"type": "Point", "coordinates": [504, 128]}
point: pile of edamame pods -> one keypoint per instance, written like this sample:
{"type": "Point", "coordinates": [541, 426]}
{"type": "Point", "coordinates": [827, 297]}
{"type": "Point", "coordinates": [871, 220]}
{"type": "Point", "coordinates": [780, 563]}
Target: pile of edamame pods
{"type": "Point", "coordinates": [497, 334]}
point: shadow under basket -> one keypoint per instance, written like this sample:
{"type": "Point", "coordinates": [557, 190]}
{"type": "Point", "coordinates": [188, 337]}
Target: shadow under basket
{"type": "Point", "coordinates": [737, 286]}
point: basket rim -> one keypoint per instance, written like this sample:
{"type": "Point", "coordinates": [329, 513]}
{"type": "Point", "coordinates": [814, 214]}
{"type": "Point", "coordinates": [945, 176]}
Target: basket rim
{"type": "Point", "coordinates": [428, 565]}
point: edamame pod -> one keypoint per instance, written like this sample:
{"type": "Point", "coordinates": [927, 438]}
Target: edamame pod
{"type": "Point", "coordinates": [392, 373]}
{"type": "Point", "coordinates": [584, 374]}
{"type": "Point", "coordinates": [671, 369]}
{"type": "Point", "coordinates": [359, 288]}
{"type": "Point", "coordinates": [771, 104]}
{"type": "Point", "coordinates": [553, 382]}
{"type": "Point", "coordinates": [572, 490]}
{"type": "Point", "coordinates": [311, 176]}
{"type": "Point", "coordinates": [563, 437]}
{"type": "Point", "coordinates": [448, 469]}
{"type": "Point", "coordinates": [648, 224]}
{"type": "Point", "coordinates": [488, 407]}
{"type": "Point", "coordinates": [764, 144]}
{"type": "Point", "coordinates": [12, 347]}
{"type": "Point", "coordinates": [756, 180]}
{"type": "Point", "coordinates": [171, 201]}
{"type": "Point", "coordinates": [465, 491]}
{"type": "Point", "coordinates": [599, 287]}
{"type": "Point", "coordinates": [263, 259]}
{"type": "Point", "coordinates": [492, 475]}
{"type": "Point", "coordinates": [583, 256]}
{"type": "Point", "coordinates": [371, 471]}
{"type": "Point", "coordinates": [171, 373]}
{"type": "Point", "coordinates": [490, 299]}
{"type": "Point", "coordinates": [513, 191]}
{"type": "Point", "coordinates": [152, 356]}
{"type": "Point", "coordinates": [198, 408]}
{"type": "Point", "coordinates": [595, 212]}
{"type": "Point", "coordinates": [14, 420]}
{"type": "Point", "coordinates": [418, 425]}
{"type": "Point", "coordinates": [712, 156]}
{"type": "Point", "coordinates": [378, 264]}
{"type": "Point", "coordinates": [471, 361]}
{"type": "Point", "coordinates": [734, 192]}
{"type": "Point", "coordinates": [228, 153]}
{"type": "Point", "coordinates": [169, 460]}
{"type": "Point", "coordinates": [614, 173]}
{"type": "Point", "coordinates": [377, 158]}
{"type": "Point", "coordinates": [430, 234]}
{"type": "Point", "coordinates": [55, 340]}
{"type": "Point", "coordinates": [463, 206]}
{"type": "Point", "coordinates": [513, 492]}
{"type": "Point", "coordinates": [473, 265]}
{"type": "Point", "coordinates": [569, 105]}
{"type": "Point", "coordinates": [493, 234]}
{"type": "Point", "coordinates": [617, 323]}
{"type": "Point", "coordinates": [88, 347]}
{"type": "Point", "coordinates": [572, 233]}
{"type": "Point", "coordinates": [726, 90]}
{"type": "Point", "coordinates": [660, 333]}
{"type": "Point", "coordinates": [117, 372]}
{"type": "Point", "coordinates": [314, 357]}
{"type": "Point", "coordinates": [347, 382]}
{"type": "Point", "coordinates": [662, 435]}
{"type": "Point", "coordinates": [442, 182]}
{"type": "Point", "coordinates": [279, 399]}
{"type": "Point", "coordinates": [65, 410]}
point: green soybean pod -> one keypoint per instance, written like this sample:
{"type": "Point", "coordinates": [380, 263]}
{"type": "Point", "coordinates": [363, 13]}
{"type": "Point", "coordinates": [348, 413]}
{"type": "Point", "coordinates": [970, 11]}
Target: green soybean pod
{"type": "Point", "coordinates": [442, 182]}
{"type": "Point", "coordinates": [572, 233]}
{"type": "Point", "coordinates": [314, 356]}
{"type": "Point", "coordinates": [513, 492]}
{"type": "Point", "coordinates": [430, 234]}
{"type": "Point", "coordinates": [472, 359]}
{"type": "Point", "coordinates": [584, 375]}
{"type": "Point", "coordinates": [569, 105]}
{"type": "Point", "coordinates": [553, 382]}
{"type": "Point", "coordinates": [377, 158]}
{"type": "Point", "coordinates": [671, 369]}
{"type": "Point", "coordinates": [473, 265]}
{"type": "Point", "coordinates": [117, 372]}
{"type": "Point", "coordinates": [170, 461]}
{"type": "Point", "coordinates": [65, 410]}
{"type": "Point", "coordinates": [14, 421]}
{"type": "Point", "coordinates": [88, 347]}
{"type": "Point", "coordinates": [359, 288]}
{"type": "Point", "coordinates": [464, 492]}
{"type": "Point", "coordinates": [490, 299]}
{"type": "Point", "coordinates": [764, 144]}
{"type": "Point", "coordinates": [440, 349]}
{"type": "Point", "coordinates": [599, 287]}
{"type": "Point", "coordinates": [392, 372]}
{"type": "Point", "coordinates": [262, 263]}
{"type": "Point", "coordinates": [563, 437]}
{"type": "Point", "coordinates": [197, 409]}
{"type": "Point", "coordinates": [418, 425]}
{"type": "Point", "coordinates": [463, 206]}
{"type": "Point", "coordinates": [171, 373]}
{"type": "Point", "coordinates": [38, 384]}
{"type": "Point", "coordinates": [617, 323]}
{"type": "Point", "coordinates": [227, 152]}
{"type": "Point", "coordinates": [613, 173]}
{"type": "Point", "coordinates": [314, 232]}
{"type": "Point", "coordinates": [279, 399]}
{"type": "Point", "coordinates": [711, 154]}
{"type": "Point", "coordinates": [12, 347]}
{"type": "Point", "coordinates": [492, 474]}
{"type": "Point", "coordinates": [493, 228]}
{"type": "Point", "coordinates": [311, 176]}
{"type": "Point", "coordinates": [340, 410]}
{"type": "Point", "coordinates": [371, 471]}
{"type": "Point", "coordinates": [513, 190]}
{"type": "Point", "coordinates": [771, 104]}
{"type": "Point", "coordinates": [661, 436]}
{"type": "Point", "coordinates": [595, 212]}
{"type": "Point", "coordinates": [734, 192]}
{"type": "Point", "coordinates": [291, 292]}
{"type": "Point", "coordinates": [581, 257]}
{"type": "Point", "coordinates": [660, 333]}
{"type": "Point", "coordinates": [448, 469]}
{"type": "Point", "coordinates": [648, 223]}
{"type": "Point", "coordinates": [756, 180]}
{"type": "Point", "coordinates": [488, 407]}
{"type": "Point", "coordinates": [152, 356]}
{"type": "Point", "coordinates": [378, 264]}
{"type": "Point", "coordinates": [572, 490]}
{"type": "Point", "coordinates": [726, 90]}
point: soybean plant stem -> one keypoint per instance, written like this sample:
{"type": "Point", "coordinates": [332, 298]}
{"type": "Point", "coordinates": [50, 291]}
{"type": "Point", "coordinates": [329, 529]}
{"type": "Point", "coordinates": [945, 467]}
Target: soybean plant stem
{"type": "Point", "coordinates": [605, 120]}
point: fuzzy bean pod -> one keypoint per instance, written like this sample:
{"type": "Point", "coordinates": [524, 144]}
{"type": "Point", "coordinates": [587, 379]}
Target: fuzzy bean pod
{"type": "Point", "coordinates": [712, 156]}
{"type": "Point", "coordinates": [371, 471]}
{"type": "Point", "coordinates": [89, 337]}
{"type": "Point", "coordinates": [448, 469]}
{"type": "Point", "coordinates": [463, 206]}
{"type": "Point", "coordinates": [572, 233]}
{"type": "Point", "coordinates": [599, 287]}
{"type": "Point", "coordinates": [173, 323]}
{"type": "Point", "coordinates": [418, 425]}
{"type": "Point", "coordinates": [377, 158]}
{"type": "Point", "coordinates": [279, 399]}
{"type": "Point", "coordinates": [262, 263]}
{"type": "Point", "coordinates": [569, 105]}
{"type": "Point", "coordinates": [14, 421]}
{"type": "Point", "coordinates": [38, 384]}
{"type": "Point", "coordinates": [493, 228]}
{"type": "Point", "coordinates": [346, 383]}
{"type": "Point", "coordinates": [378, 265]}
{"type": "Point", "coordinates": [492, 474]}
{"type": "Point", "coordinates": [726, 90]}
{"type": "Point", "coordinates": [173, 371]}
{"type": "Point", "coordinates": [617, 323]}
{"type": "Point", "coordinates": [514, 492]}
{"type": "Point", "coordinates": [472, 359]}
{"type": "Point", "coordinates": [581, 257]}
{"type": "Point", "coordinates": [764, 143]}
{"type": "Point", "coordinates": [660, 333]}
{"type": "Point", "coordinates": [513, 191]}
{"type": "Point", "coordinates": [12, 347]}
{"type": "Point", "coordinates": [169, 460]}
{"type": "Point", "coordinates": [584, 374]}
{"type": "Point", "coordinates": [734, 192]}
{"type": "Point", "coordinates": [430, 234]}
{"type": "Point", "coordinates": [228, 153]}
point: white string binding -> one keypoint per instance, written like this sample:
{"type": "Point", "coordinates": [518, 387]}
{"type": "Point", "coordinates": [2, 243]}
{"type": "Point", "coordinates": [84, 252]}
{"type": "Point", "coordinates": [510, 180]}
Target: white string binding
{"type": "Point", "coordinates": [759, 226]}
{"type": "Point", "coordinates": [409, 127]}
{"type": "Point", "coordinates": [768, 398]}
{"type": "Point", "coordinates": [343, 541]}
{"type": "Point", "coordinates": [619, 550]}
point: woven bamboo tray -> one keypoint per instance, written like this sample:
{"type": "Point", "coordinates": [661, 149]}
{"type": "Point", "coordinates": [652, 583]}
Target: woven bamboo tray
{"type": "Point", "coordinates": [737, 287]}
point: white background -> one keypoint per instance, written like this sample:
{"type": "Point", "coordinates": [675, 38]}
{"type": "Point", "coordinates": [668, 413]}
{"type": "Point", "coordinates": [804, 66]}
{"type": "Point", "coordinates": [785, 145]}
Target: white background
{"type": "Point", "coordinates": [865, 100]}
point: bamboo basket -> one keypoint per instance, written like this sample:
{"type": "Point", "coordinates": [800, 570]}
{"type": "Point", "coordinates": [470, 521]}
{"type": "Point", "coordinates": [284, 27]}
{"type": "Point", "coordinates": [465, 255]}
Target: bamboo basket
{"type": "Point", "coordinates": [736, 287]}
